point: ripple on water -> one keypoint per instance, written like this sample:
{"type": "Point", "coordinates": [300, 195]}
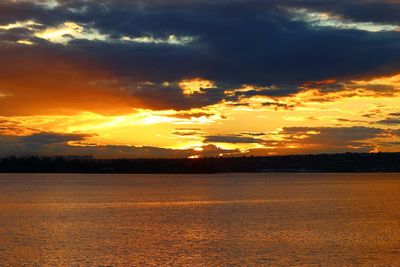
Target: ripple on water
{"type": "Point", "coordinates": [201, 220]}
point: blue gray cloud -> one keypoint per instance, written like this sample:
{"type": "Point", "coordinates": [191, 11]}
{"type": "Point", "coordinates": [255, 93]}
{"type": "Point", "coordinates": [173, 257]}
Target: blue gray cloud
{"type": "Point", "coordinates": [232, 43]}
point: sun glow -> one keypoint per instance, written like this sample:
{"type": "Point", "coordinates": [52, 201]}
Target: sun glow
{"type": "Point", "coordinates": [324, 19]}
{"type": "Point", "coordinates": [170, 40]}
{"type": "Point", "coordinates": [196, 85]}
{"type": "Point", "coordinates": [29, 24]}
{"type": "Point", "coordinates": [66, 31]}
{"type": "Point", "coordinates": [25, 42]}
{"type": "Point", "coordinates": [69, 30]}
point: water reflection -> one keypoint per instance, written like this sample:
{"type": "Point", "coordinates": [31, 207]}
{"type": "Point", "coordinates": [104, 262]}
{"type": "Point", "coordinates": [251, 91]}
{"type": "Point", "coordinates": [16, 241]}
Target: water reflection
{"type": "Point", "coordinates": [201, 220]}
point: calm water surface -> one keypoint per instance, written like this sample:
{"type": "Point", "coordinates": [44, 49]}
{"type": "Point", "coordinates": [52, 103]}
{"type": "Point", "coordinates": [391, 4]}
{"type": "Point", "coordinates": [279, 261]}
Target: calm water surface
{"type": "Point", "coordinates": [200, 220]}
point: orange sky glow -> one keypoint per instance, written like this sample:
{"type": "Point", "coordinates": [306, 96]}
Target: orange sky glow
{"type": "Point", "coordinates": [73, 85]}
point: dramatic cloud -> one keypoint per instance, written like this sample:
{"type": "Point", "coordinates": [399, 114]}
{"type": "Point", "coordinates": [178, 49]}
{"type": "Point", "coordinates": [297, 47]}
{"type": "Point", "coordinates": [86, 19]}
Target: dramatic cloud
{"type": "Point", "coordinates": [188, 132]}
{"type": "Point", "coordinates": [368, 11]}
{"type": "Point", "coordinates": [390, 121]}
{"type": "Point", "coordinates": [233, 139]}
{"type": "Point", "coordinates": [52, 144]}
{"type": "Point", "coordinates": [194, 78]}
{"type": "Point", "coordinates": [127, 51]}
{"type": "Point", "coordinates": [300, 140]}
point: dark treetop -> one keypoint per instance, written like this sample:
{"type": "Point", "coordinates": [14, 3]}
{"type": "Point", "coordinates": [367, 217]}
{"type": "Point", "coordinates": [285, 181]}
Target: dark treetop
{"type": "Point", "coordinates": [348, 162]}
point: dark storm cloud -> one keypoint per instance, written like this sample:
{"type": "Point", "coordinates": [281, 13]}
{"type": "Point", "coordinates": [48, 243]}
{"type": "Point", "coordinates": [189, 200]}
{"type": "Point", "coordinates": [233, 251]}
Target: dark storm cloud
{"type": "Point", "coordinates": [277, 105]}
{"type": "Point", "coordinates": [234, 43]}
{"type": "Point", "coordinates": [390, 121]}
{"type": "Point", "coordinates": [52, 138]}
{"type": "Point", "coordinates": [326, 137]}
{"type": "Point", "coordinates": [233, 139]}
{"type": "Point", "coordinates": [249, 49]}
{"type": "Point", "coordinates": [51, 144]}
{"type": "Point", "coordinates": [304, 140]}
{"type": "Point", "coordinates": [383, 11]}
{"type": "Point", "coordinates": [330, 135]}
{"type": "Point", "coordinates": [158, 96]}
{"type": "Point", "coordinates": [36, 143]}
{"type": "Point", "coordinates": [394, 119]}
{"type": "Point", "coordinates": [189, 115]}
{"type": "Point", "coordinates": [15, 34]}
{"type": "Point", "coordinates": [273, 91]}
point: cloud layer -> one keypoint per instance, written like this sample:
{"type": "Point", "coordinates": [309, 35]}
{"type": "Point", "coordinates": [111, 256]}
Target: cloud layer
{"type": "Point", "coordinates": [126, 51]}
{"type": "Point", "coordinates": [205, 77]}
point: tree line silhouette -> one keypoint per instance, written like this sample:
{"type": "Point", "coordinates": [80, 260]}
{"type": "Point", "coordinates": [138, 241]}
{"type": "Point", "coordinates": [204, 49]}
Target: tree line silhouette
{"type": "Point", "coordinates": [347, 162]}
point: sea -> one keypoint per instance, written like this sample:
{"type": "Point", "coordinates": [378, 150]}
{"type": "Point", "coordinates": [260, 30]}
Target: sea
{"type": "Point", "coordinates": [241, 219]}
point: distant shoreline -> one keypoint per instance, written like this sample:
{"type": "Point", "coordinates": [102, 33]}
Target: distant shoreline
{"type": "Point", "coordinates": [207, 173]}
{"type": "Point", "coordinates": [320, 163]}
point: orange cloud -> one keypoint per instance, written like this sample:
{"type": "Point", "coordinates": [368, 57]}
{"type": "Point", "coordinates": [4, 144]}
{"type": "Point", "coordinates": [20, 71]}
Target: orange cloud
{"type": "Point", "coordinates": [38, 83]}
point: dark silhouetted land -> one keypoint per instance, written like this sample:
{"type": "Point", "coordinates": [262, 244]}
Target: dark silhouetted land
{"type": "Point", "coordinates": [348, 162]}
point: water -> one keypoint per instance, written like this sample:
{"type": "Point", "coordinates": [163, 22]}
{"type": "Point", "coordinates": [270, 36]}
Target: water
{"type": "Point", "coordinates": [199, 220]}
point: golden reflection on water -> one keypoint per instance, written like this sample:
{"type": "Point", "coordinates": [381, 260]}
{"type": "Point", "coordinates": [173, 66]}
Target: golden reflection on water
{"type": "Point", "coordinates": [199, 220]}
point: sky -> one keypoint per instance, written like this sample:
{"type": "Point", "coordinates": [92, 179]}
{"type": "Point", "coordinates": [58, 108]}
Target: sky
{"type": "Point", "coordinates": [195, 78]}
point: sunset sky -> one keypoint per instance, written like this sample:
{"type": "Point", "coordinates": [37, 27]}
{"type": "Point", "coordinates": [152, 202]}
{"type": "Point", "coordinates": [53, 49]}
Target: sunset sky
{"type": "Point", "coordinates": [193, 78]}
